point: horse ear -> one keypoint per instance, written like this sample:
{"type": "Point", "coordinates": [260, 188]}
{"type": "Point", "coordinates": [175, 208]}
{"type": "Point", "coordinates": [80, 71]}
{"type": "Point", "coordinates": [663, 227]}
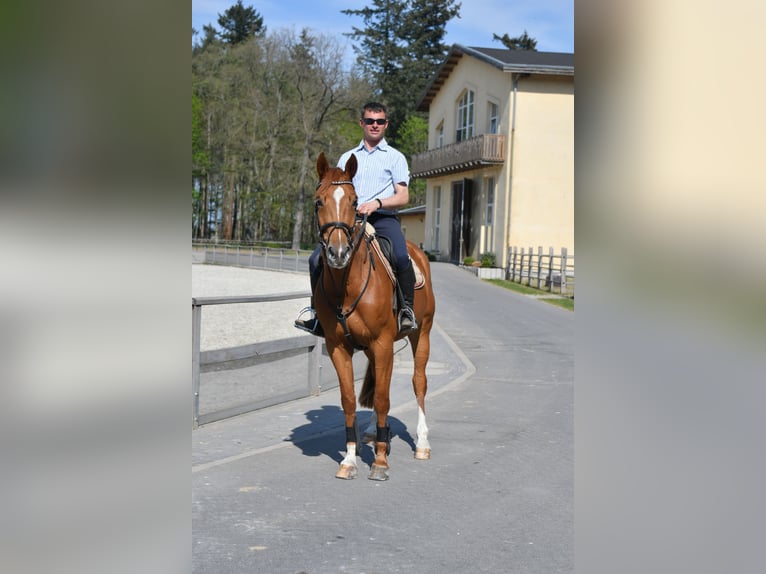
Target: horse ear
{"type": "Point", "coordinates": [351, 166]}
{"type": "Point", "coordinates": [322, 165]}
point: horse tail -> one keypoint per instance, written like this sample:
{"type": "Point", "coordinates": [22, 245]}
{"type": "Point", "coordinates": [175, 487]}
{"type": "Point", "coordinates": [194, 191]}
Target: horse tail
{"type": "Point", "coordinates": [368, 388]}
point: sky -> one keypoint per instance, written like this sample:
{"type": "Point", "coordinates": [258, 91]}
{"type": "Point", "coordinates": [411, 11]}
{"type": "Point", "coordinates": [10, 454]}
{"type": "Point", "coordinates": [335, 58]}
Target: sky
{"type": "Point", "coordinates": [550, 22]}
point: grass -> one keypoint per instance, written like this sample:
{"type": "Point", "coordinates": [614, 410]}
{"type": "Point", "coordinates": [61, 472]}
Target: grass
{"type": "Point", "coordinates": [563, 302]}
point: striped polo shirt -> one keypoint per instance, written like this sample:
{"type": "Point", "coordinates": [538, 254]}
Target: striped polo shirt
{"type": "Point", "coordinates": [378, 170]}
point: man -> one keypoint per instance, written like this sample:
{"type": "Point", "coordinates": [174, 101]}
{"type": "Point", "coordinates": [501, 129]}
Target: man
{"type": "Point", "coordinates": [381, 186]}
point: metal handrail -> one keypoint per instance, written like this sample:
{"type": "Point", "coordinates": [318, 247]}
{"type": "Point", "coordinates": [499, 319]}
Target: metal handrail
{"type": "Point", "coordinates": [312, 344]}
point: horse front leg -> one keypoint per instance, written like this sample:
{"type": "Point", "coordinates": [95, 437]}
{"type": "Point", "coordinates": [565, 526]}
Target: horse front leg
{"type": "Point", "coordinates": [384, 359]}
{"type": "Point", "coordinates": [341, 359]}
{"type": "Point", "coordinates": [348, 467]}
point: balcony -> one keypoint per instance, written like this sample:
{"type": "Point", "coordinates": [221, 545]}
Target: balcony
{"type": "Point", "coordinates": [487, 149]}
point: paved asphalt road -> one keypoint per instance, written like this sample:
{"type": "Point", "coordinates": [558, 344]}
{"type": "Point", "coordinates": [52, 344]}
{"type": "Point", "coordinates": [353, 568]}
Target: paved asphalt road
{"type": "Point", "coordinates": [496, 496]}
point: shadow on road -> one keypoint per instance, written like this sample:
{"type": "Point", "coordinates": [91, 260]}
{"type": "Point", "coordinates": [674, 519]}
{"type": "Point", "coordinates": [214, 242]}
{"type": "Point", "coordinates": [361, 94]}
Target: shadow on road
{"type": "Point", "coordinates": [333, 444]}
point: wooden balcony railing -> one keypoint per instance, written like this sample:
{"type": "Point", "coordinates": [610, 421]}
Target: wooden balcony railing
{"type": "Point", "coordinates": [481, 150]}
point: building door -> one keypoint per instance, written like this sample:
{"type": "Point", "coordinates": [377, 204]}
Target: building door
{"type": "Point", "coordinates": [462, 199]}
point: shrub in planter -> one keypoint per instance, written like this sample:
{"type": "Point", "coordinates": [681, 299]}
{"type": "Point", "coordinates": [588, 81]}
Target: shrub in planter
{"type": "Point", "coordinates": [467, 261]}
{"type": "Point", "coordinates": [487, 259]}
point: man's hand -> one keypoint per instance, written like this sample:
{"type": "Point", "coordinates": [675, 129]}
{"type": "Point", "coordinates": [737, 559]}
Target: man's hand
{"type": "Point", "coordinates": [368, 207]}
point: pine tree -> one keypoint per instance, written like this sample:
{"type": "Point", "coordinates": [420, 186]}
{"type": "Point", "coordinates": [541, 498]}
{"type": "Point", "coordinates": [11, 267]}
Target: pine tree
{"type": "Point", "coordinates": [240, 23]}
{"type": "Point", "coordinates": [523, 42]}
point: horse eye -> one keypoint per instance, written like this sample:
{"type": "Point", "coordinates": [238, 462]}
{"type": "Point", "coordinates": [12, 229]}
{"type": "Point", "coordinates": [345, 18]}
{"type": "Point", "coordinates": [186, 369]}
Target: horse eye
{"type": "Point", "coordinates": [319, 203]}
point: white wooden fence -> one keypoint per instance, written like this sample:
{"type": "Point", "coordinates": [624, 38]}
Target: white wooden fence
{"type": "Point", "coordinates": [265, 351]}
{"type": "Point", "coordinates": [553, 272]}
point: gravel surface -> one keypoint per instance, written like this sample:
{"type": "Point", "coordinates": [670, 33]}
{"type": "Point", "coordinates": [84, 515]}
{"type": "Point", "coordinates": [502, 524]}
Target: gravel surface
{"type": "Point", "coordinates": [246, 323]}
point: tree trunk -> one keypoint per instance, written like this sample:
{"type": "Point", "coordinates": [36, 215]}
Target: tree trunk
{"type": "Point", "coordinates": [298, 223]}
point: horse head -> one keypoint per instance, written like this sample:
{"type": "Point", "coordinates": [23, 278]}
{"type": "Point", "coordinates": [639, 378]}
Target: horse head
{"type": "Point", "coordinates": [335, 204]}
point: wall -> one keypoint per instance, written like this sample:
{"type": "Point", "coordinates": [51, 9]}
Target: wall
{"type": "Point", "coordinates": [414, 227]}
{"type": "Point", "coordinates": [541, 178]}
{"type": "Point", "coordinates": [542, 202]}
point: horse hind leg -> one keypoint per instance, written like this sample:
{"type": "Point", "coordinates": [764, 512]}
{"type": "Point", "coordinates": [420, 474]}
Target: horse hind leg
{"type": "Point", "coordinates": [421, 350]}
{"type": "Point", "coordinates": [370, 432]}
{"type": "Point", "coordinates": [379, 469]}
{"type": "Point", "coordinates": [366, 399]}
{"type": "Point", "coordinates": [422, 447]}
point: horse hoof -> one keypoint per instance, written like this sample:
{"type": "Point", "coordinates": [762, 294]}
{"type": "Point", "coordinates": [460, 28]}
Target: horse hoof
{"type": "Point", "coordinates": [422, 453]}
{"type": "Point", "coordinates": [369, 437]}
{"type": "Point", "coordinates": [378, 472]}
{"type": "Point", "coordinates": [346, 472]}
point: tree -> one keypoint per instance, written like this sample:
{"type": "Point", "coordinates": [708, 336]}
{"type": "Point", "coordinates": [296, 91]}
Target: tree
{"type": "Point", "coordinates": [261, 112]}
{"type": "Point", "coordinates": [400, 47]}
{"type": "Point", "coordinates": [318, 80]}
{"type": "Point", "coordinates": [413, 139]}
{"type": "Point", "coordinates": [240, 23]}
{"type": "Point", "coordinates": [523, 42]}
{"type": "Point", "coordinates": [209, 37]}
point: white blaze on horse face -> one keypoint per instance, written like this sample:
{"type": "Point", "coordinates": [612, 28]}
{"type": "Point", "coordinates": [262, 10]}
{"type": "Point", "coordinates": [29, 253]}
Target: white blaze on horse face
{"type": "Point", "coordinates": [337, 195]}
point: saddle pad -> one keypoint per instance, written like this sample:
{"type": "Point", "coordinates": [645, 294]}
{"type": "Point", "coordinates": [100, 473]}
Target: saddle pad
{"type": "Point", "coordinates": [420, 279]}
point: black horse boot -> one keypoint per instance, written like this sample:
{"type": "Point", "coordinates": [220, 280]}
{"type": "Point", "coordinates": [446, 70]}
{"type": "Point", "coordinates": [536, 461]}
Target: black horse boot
{"type": "Point", "coordinates": [406, 279]}
{"type": "Point", "coordinates": [310, 323]}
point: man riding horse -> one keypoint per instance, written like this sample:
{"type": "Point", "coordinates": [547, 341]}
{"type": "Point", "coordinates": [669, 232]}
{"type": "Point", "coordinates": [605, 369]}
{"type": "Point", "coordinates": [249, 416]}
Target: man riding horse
{"type": "Point", "coordinates": [381, 185]}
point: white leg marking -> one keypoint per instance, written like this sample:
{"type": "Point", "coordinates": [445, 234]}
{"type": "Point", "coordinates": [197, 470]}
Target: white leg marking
{"type": "Point", "coordinates": [422, 430]}
{"type": "Point", "coordinates": [350, 459]}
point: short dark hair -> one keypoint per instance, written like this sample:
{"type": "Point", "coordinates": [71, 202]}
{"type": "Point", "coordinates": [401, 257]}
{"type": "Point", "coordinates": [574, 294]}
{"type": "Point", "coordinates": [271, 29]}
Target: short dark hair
{"type": "Point", "coordinates": [374, 107]}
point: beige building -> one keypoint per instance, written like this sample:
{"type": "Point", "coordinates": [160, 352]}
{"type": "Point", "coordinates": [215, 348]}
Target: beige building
{"type": "Point", "coordinates": [413, 224]}
{"type": "Point", "coordinates": [500, 159]}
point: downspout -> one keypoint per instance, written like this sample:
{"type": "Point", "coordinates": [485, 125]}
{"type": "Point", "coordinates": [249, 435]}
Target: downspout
{"type": "Point", "coordinates": [509, 179]}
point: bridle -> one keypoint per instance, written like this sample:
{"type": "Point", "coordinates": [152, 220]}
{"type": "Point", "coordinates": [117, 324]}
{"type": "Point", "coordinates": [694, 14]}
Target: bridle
{"type": "Point", "coordinates": [333, 225]}
{"type": "Point", "coordinates": [354, 239]}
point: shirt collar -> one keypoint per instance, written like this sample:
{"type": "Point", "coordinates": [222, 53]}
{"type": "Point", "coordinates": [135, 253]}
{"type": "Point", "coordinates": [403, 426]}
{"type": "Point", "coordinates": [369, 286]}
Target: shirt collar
{"type": "Point", "coordinates": [382, 145]}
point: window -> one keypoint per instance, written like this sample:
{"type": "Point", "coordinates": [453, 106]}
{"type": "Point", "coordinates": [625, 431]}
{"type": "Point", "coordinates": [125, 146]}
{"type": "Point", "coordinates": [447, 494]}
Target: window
{"type": "Point", "coordinates": [492, 118]}
{"type": "Point", "coordinates": [465, 116]}
{"type": "Point", "coordinates": [488, 239]}
{"type": "Point", "coordinates": [440, 134]}
{"type": "Point", "coordinates": [489, 212]}
{"type": "Point", "coordinates": [437, 215]}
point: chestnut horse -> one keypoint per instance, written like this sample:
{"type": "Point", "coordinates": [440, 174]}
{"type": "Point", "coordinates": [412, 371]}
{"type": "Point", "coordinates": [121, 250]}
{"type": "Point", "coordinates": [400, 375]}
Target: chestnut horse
{"type": "Point", "coordinates": [354, 302]}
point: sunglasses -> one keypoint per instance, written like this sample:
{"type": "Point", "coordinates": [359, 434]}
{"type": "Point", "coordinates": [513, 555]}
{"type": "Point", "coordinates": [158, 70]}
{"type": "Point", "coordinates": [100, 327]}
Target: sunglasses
{"type": "Point", "coordinates": [370, 121]}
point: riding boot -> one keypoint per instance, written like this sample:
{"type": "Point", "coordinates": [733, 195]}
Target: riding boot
{"type": "Point", "coordinates": [407, 322]}
{"type": "Point", "coordinates": [311, 323]}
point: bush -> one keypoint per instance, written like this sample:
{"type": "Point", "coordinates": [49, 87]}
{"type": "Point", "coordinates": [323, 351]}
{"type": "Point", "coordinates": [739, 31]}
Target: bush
{"type": "Point", "coordinates": [468, 260]}
{"type": "Point", "coordinates": [487, 259]}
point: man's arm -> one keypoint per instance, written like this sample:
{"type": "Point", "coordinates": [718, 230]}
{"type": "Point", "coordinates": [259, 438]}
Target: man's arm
{"type": "Point", "coordinates": [400, 198]}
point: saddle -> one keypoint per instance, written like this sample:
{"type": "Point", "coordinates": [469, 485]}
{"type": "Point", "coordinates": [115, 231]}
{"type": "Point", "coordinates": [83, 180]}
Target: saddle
{"type": "Point", "coordinates": [382, 246]}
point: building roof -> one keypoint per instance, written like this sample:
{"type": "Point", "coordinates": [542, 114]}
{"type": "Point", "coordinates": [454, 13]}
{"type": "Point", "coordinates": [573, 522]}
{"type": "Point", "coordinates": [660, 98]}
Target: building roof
{"type": "Point", "coordinates": [413, 210]}
{"type": "Point", "coordinates": [511, 61]}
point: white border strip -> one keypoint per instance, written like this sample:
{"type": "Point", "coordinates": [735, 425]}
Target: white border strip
{"type": "Point", "coordinates": [470, 369]}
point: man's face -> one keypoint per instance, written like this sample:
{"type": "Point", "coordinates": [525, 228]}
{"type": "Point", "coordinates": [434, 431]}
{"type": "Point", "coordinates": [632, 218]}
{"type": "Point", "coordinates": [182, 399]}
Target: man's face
{"type": "Point", "coordinates": [374, 130]}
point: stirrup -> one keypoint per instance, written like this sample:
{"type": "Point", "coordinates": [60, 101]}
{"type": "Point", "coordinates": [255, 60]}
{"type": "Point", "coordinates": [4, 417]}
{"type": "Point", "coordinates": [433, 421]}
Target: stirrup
{"type": "Point", "coordinates": [310, 324]}
{"type": "Point", "coordinates": [407, 322]}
